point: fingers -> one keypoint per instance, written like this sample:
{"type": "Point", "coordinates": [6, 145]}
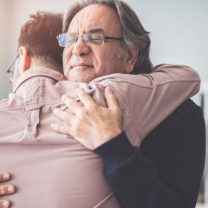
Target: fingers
{"type": "Point", "coordinates": [75, 106]}
{"type": "Point", "coordinates": [111, 99]}
{"type": "Point", "coordinates": [5, 204]}
{"type": "Point", "coordinates": [71, 103]}
{"type": "Point", "coordinates": [63, 115]}
{"type": "Point", "coordinates": [85, 98]}
{"type": "Point", "coordinates": [61, 128]}
{"type": "Point", "coordinates": [4, 176]}
{"type": "Point", "coordinates": [7, 189]}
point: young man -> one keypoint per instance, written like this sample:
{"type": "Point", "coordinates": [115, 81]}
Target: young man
{"type": "Point", "coordinates": [36, 66]}
{"type": "Point", "coordinates": [166, 170]}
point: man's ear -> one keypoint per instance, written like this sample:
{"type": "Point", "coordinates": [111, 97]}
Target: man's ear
{"type": "Point", "coordinates": [131, 59]}
{"type": "Point", "coordinates": [25, 59]}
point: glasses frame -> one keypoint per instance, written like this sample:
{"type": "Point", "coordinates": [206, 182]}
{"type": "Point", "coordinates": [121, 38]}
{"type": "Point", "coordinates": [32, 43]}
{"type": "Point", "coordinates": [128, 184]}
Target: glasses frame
{"type": "Point", "coordinates": [85, 38]}
{"type": "Point", "coordinates": [11, 68]}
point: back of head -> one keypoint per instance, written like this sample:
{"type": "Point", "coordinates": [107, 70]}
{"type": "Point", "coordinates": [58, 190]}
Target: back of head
{"type": "Point", "coordinates": [38, 36]}
{"type": "Point", "coordinates": [133, 33]}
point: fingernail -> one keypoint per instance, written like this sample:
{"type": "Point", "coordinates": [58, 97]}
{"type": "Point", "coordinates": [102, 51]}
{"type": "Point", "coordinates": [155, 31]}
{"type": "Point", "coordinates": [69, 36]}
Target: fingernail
{"type": "Point", "coordinates": [63, 97]}
{"type": "Point", "coordinates": [6, 176]}
{"type": "Point", "coordinates": [6, 204]}
{"type": "Point", "coordinates": [10, 189]}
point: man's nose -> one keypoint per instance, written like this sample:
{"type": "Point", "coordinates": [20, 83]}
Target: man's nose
{"type": "Point", "coordinates": [80, 47]}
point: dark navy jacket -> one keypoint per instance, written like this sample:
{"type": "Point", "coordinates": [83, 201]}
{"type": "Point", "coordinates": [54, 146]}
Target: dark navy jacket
{"type": "Point", "coordinates": [166, 171]}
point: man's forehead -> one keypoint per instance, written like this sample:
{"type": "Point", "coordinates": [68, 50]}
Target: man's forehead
{"type": "Point", "coordinates": [94, 16]}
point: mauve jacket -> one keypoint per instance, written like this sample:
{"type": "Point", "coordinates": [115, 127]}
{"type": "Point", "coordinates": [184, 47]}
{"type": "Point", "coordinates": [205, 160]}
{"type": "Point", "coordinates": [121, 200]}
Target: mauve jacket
{"type": "Point", "coordinates": [52, 170]}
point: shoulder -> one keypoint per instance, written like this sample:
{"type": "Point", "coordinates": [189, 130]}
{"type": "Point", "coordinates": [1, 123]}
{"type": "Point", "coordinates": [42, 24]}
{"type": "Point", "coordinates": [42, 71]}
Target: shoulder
{"type": "Point", "coordinates": [188, 117]}
{"type": "Point", "coordinates": [188, 109]}
{"type": "Point", "coordinates": [185, 127]}
{"type": "Point", "coordinates": [188, 112]}
{"type": "Point", "coordinates": [4, 104]}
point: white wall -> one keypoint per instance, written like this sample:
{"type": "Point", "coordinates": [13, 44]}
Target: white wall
{"type": "Point", "coordinates": [179, 30]}
{"type": "Point", "coordinates": [4, 54]}
{"type": "Point", "coordinates": [13, 14]}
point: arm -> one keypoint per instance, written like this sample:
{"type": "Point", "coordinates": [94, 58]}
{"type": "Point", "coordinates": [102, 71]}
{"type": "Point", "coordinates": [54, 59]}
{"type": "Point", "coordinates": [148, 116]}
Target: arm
{"type": "Point", "coordinates": [144, 99]}
{"type": "Point", "coordinates": [132, 174]}
{"type": "Point", "coordinates": [148, 99]}
{"type": "Point", "coordinates": [166, 171]}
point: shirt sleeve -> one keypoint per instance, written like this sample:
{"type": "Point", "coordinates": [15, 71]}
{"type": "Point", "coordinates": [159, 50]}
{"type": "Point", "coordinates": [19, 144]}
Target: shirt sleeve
{"type": "Point", "coordinates": [147, 99]}
{"type": "Point", "coordinates": [165, 174]}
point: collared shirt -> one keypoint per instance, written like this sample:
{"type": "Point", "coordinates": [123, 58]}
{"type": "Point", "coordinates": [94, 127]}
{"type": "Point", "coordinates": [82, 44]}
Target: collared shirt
{"type": "Point", "coordinates": [45, 163]}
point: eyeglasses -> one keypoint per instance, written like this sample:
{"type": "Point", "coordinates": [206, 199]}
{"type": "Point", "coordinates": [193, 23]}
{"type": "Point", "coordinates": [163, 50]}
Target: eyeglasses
{"type": "Point", "coordinates": [68, 39]}
{"type": "Point", "coordinates": [11, 68]}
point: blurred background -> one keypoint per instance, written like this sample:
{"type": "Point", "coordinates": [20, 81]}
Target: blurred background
{"type": "Point", "coordinates": [179, 34]}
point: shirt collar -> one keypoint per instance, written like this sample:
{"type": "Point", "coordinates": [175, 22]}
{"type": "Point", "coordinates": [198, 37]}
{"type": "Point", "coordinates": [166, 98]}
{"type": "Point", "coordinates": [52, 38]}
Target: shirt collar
{"type": "Point", "coordinates": [38, 71]}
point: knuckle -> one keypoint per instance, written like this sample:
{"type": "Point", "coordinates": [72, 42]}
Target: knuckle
{"type": "Point", "coordinates": [75, 130]}
{"type": "Point", "coordinates": [80, 91]}
{"type": "Point", "coordinates": [117, 110]}
{"type": "Point", "coordinates": [55, 126]}
{"type": "Point", "coordinates": [64, 129]}
{"type": "Point", "coordinates": [70, 101]}
{"type": "Point", "coordinates": [92, 107]}
{"type": "Point", "coordinates": [63, 115]}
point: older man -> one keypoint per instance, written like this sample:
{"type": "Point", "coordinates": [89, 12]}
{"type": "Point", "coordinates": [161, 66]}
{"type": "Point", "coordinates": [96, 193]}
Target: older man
{"type": "Point", "coordinates": [166, 170]}
{"type": "Point", "coordinates": [74, 170]}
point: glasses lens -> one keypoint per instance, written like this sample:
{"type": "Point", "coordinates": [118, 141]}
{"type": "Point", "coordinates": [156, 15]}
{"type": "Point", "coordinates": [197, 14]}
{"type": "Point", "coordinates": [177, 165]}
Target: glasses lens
{"type": "Point", "coordinates": [10, 75]}
{"type": "Point", "coordinates": [11, 68]}
{"type": "Point", "coordinates": [66, 39]}
{"type": "Point", "coordinates": [96, 38]}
